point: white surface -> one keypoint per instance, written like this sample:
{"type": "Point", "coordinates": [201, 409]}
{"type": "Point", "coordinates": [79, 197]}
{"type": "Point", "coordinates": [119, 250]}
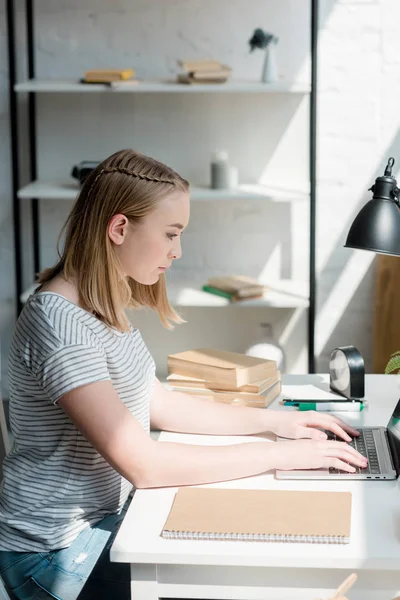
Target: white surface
{"type": "Point", "coordinates": [375, 532]}
{"type": "Point", "coordinates": [283, 294]}
{"type": "Point", "coordinates": [68, 190]}
{"type": "Point", "coordinates": [310, 392]}
{"type": "Point", "coordinates": [159, 86]}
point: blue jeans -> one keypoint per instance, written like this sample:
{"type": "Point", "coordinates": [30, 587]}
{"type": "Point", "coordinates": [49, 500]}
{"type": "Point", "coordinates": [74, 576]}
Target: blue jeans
{"type": "Point", "coordinates": [81, 571]}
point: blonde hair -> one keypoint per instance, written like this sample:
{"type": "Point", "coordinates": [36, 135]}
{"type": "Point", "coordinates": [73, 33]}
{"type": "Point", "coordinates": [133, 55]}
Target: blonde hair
{"type": "Point", "coordinates": [131, 184]}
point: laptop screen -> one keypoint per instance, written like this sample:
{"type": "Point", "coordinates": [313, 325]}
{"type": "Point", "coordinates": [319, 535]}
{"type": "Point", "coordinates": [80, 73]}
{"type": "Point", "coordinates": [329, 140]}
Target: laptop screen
{"type": "Point", "coordinates": [393, 430]}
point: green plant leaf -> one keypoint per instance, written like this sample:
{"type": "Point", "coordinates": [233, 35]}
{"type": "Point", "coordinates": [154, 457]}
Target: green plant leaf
{"type": "Point", "coordinates": [393, 364]}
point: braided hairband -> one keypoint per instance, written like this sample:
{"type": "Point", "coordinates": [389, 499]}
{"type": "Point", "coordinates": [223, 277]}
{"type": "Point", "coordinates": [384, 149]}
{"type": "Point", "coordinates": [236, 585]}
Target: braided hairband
{"type": "Point", "coordinates": [107, 170]}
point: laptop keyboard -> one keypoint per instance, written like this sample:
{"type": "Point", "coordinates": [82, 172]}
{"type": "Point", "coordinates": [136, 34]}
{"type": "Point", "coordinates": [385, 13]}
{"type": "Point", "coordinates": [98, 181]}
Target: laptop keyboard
{"type": "Point", "coordinates": [365, 445]}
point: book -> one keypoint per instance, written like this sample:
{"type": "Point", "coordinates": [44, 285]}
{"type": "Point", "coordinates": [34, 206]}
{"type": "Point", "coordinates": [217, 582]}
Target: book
{"type": "Point", "coordinates": [232, 297]}
{"type": "Point", "coordinates": [200, 65]}
{"type": "Point", "coordinates": [223, 72]}
{"type": "Point", "coordinates": [259, 516]}
{"type": "Point", "coordinates": [237, 398]}
{"type": "Point", "coordinates": [187, 78]}
{"type": "Point", "coordinates": [221, 366]}
{"type": "Point", "coordinates": [117, 84]}
{"type": "Point", "coordinates": [240, 286]}
{"type": "Point", "coordinates": [255, 387]}
{"type": "Point", "coordinates": [104, 75]}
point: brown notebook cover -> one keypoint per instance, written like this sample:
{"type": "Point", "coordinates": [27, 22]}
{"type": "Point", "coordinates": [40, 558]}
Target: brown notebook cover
{"type": "Point", "coordinates": [237, 398]}
{"type": "Point", "coordinates": [259, 515]}
{"type": "Point", "coordinates": [256, 387]}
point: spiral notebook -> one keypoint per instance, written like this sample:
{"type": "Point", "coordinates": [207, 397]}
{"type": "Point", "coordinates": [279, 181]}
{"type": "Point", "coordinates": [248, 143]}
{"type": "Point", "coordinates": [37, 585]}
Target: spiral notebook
{"type": "Point", "coordinates": [259, 516]}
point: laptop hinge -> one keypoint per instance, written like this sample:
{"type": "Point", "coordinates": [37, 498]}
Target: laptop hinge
{"type": "Point", "coordinates": [390, 450]}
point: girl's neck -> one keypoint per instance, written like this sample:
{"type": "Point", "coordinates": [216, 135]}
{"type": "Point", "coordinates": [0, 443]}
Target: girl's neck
{"type": "Point", "coordinates": [64, 287]}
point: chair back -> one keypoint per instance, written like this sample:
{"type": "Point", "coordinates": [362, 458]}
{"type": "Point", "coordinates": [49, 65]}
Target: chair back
{"type": "Point", "coordinates": [4, 595]}
{"type": "Point", "coordinates": [4, 439]}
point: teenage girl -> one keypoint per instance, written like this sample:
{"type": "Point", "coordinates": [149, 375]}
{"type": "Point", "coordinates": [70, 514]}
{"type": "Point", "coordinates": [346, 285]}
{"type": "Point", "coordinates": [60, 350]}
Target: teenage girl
{"type": "Point", "coordinates": [83, 394]}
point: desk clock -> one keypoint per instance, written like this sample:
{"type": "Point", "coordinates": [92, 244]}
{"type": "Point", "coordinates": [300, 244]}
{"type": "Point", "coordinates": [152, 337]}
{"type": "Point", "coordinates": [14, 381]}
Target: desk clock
{"type": "Point", "coordinates": [347, 372]}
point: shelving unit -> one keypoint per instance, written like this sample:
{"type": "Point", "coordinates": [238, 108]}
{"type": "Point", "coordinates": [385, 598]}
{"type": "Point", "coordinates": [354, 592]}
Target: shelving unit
{"type": "Point", "coordinates": [281, 294]}
{"type": "Point", "coordinates": [67, 190]}
{"type": "Point", "coordinates": [159, 86]}
{"type": "Point", "coordinates": [285, 294]}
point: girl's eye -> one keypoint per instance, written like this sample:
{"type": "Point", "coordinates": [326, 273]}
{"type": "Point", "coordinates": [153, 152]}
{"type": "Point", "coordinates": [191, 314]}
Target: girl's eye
{"type": "Point", "coordinates": [171, 235]}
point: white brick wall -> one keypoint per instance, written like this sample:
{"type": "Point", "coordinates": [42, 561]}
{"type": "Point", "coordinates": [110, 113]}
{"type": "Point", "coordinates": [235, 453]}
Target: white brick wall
{"type": "Point", "coordinates": [358, 130]}
{"type": "Point", "coordinates": [359, 69]}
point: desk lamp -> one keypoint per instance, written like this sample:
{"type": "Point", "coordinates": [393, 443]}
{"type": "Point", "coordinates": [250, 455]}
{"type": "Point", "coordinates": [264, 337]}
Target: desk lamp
{"type": "Point", "coordinates": [377, 225]}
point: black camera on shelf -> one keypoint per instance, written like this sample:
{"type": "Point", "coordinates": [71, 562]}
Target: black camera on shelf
{"type": "Point", "coordinates": [83, 169]}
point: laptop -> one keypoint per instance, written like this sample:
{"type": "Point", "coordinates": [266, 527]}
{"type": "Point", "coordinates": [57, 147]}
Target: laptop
{"type": "Point", "coordinates": [381, 445]}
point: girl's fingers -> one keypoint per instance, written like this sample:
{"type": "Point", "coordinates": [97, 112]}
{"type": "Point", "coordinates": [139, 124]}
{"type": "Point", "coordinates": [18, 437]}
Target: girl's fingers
{"type": "Point", "coordinates": [346, 427]}
{"type": "Point", "coordinates": [338, 430]}
{"type": "Point", "coordinates": [332, 424]}
{"type": "Point", "coordinates": [346, 452]}
{"type": "Point", "coordinates": [336, 463]}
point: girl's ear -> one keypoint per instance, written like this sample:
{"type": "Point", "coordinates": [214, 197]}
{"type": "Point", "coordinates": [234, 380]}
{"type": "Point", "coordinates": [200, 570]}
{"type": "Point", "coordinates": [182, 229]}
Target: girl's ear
{"type": "Point", "coordinates": [117, 228]}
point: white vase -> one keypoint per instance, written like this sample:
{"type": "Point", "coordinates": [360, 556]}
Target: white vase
{"type": "Point", "coordinates": [270, 68]}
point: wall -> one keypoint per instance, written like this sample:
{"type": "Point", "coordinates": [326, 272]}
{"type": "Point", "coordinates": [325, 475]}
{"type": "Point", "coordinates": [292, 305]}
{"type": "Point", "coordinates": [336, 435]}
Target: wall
{"type": "Point", "coordinates": [265, 136]}
{"type": "Point", "coordinates": [358, 131]}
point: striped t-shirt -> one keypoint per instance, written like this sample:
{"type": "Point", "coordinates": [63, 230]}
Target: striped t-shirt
{"type": "Point", "coordinates": [55, 483]}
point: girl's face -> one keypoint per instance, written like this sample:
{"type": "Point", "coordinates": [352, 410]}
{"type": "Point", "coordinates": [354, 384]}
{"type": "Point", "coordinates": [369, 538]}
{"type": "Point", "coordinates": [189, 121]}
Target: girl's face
{"type": "Point", "coordinates": [147, 249]}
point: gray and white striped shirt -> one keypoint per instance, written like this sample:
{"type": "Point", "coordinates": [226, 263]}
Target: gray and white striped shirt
{"type": "Point", "coordinates": [55, 483]}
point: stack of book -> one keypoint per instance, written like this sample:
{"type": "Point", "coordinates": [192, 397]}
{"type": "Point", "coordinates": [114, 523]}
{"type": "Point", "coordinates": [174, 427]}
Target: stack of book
{"type": "Point", "coordinates": [235, 287]}
{"type": "Point", "coordinates": [111, 77]}
{"type": "Point", "coordinates": [223, 376]}
{"type": "Point", "coordinates": [203, 71]}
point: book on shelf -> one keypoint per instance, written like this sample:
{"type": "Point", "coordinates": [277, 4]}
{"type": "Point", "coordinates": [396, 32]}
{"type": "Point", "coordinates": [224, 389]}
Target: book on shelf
{"type": "Point", "coordinates": [115, 85]}
{"type": "Point", "coordinates": [232, 297]}
{"type": "Point", "coordinates": [189, 79]}
{"type": "Point", "coordinates": [107, 75]}
{"type": "Point", "coordinates": [254, 387]}
{"type": "Point", "coordinates": [221, 366]}
{"type": "Point", "coordinates": [203, 71]}
{"type": "Point", "coordinates": [223, 514]}
{"type": "Point", "coordinates": [261, 400]}
{"type": "Point", "coordinates": [235, 287]}
{"type": "Point", "coordinates": [223, 73]}
{"type": "Point", "coordinates": [199, 65]}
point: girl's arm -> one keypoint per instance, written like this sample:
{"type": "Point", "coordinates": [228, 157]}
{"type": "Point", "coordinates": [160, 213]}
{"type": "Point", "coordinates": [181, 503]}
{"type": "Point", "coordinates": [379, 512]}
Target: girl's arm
{"type": "Point", "coordinates": [107, 424]}
{"type": "Point", "coordinates": [176, 411]}
{"type": "Point", "coordinates": [184, 413]}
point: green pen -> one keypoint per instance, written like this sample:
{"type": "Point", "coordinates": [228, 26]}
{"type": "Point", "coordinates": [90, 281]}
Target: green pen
{"type": "Point", "coordinates": [332, 406]}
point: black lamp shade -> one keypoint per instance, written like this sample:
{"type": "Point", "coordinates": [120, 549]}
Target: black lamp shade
{"type": "Point", "coordinates": [376, 228]}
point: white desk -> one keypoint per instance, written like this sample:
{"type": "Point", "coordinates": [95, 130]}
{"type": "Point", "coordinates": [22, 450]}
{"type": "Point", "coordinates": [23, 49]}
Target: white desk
{"type": "Point", "coordinates": [272, 571]}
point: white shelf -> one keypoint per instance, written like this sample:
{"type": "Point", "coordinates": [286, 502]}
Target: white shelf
{"type": "Point", "coordinates": [159, 86]}
{"type": "Point", "coordinates": [282, 294]}
{"type": "Point", "coordinates": [68, 190]}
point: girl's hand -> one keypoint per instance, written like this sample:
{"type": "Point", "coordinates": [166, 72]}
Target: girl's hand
{"type": "Point", "coordinates": [307, 424]}
{"type": "Point", "coordinates": [306, 454]}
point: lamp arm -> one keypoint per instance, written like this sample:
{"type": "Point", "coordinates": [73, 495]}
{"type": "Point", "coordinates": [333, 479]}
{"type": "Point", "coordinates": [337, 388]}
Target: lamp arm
{"type": "Point", "coordinates": [385, 187]}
